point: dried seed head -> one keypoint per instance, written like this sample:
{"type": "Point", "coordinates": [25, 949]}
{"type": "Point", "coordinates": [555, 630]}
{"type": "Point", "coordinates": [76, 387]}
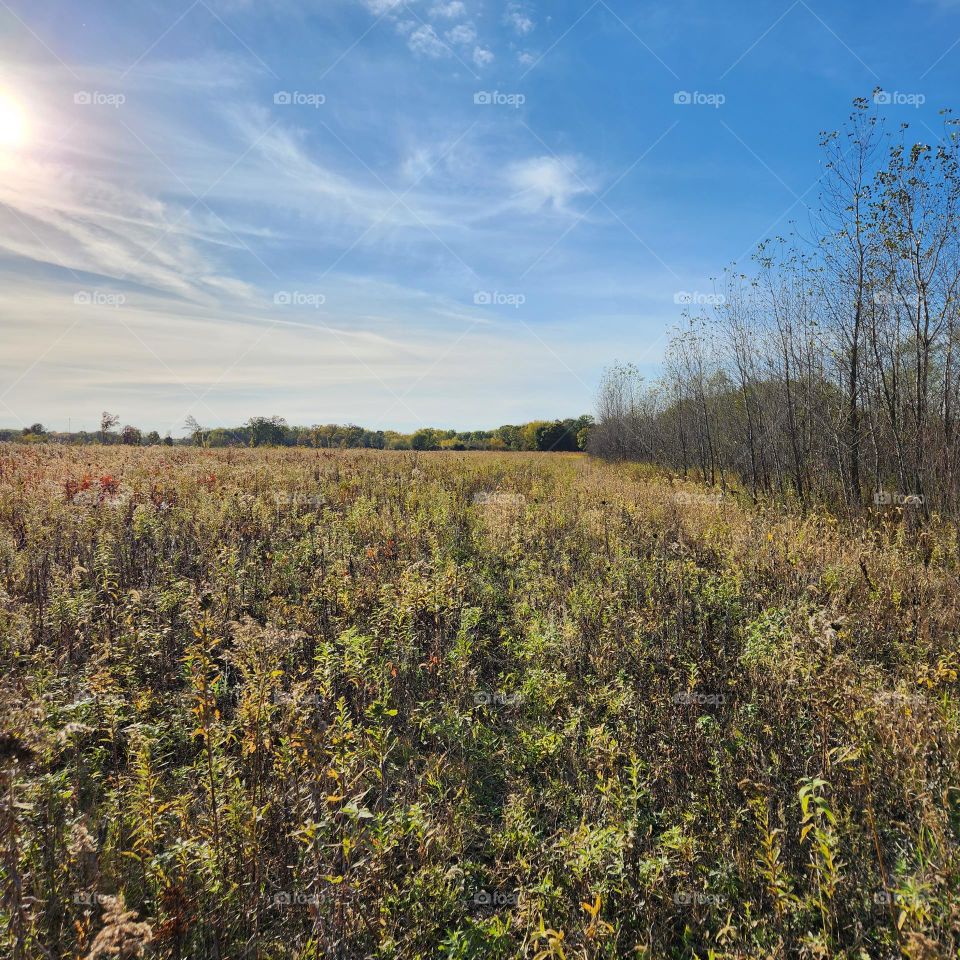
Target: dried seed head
{"type": "Point", "coordinates": [122, 936]}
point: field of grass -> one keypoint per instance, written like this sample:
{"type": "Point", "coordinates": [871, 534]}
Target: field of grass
{"type": "Point", "coordinates": [296, 704]}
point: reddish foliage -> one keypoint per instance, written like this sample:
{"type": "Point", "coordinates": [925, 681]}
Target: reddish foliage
{"type": "Point", "coordinates": [72, 487]}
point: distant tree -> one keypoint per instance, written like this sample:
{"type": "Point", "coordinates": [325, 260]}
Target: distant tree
{"type": "Point", "coordinates": [195, 430]}
{"type": "Point", "coordinates": [396, 441]}
{"type": "Point", "coordinates": [221, 437]}
{"type": "Point", "coordinates": [583, 427]}
{"type": "Point", "coordinates": [36, 429]}
{"type": "Point", "coordinates": [153, 438]}
{"type": "Point", "coordinates": [425, 439]}
{"type": "Point", "coordinates": [531, 434]}
{"type": "Point", "coordinates": [510, 436]}
{"type": "Point", "coordinates": [107, 422]}
{"type": "Point", "coordinates": [130, 436]}
{"type": "Point", "coordinates": [559, 436]}
{"type": "Point", "coordinates": [267, 431]}
{"type": "Point", "coordinates": [168, 441]}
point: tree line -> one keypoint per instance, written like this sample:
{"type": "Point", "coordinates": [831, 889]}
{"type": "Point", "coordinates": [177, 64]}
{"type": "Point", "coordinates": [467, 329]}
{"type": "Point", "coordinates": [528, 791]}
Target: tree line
{"type": "Point", "coordinates": [830, 371]}
{"type": "Point", "coordinates": [539, 435]}
{"type": "Point", "coordinates": [568, 435]}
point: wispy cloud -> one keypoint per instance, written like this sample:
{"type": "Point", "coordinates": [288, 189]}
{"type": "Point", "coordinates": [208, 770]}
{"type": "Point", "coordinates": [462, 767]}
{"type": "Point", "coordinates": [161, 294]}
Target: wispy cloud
{"type": "Point", "coordinates": [88, 225]}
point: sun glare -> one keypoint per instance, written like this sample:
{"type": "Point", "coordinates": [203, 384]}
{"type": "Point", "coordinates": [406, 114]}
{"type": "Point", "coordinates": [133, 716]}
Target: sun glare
{"type": "Point", "coordinates": [13, 127]}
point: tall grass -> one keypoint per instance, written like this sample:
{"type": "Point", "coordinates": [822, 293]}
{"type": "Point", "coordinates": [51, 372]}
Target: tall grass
{"type": "Point", "coordinates": [288, 704]}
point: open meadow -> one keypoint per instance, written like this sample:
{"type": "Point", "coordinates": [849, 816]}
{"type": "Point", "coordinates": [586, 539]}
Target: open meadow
{"type": "Point", "coordinates": [303, 704]}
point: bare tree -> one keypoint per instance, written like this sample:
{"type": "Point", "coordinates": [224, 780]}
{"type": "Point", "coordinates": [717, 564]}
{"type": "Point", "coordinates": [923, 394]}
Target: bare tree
{"type": "Point", "coordinates": [107, 422]}
{"type": "Point", "coordinates": [834, 366]}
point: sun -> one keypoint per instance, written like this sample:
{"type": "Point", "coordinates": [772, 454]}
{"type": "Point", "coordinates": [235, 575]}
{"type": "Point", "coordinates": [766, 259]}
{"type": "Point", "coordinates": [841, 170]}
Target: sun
{"type": "Point", "coordinates": [13, 126]}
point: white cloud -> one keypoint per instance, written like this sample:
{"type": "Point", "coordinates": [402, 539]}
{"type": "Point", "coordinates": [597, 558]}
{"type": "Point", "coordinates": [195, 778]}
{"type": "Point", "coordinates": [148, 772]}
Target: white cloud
{"type": "Point", "coordinates": [450, 11]}
{"type": "Point", "coordinates": [464, 33]}
{"type": "Point", "coordinates": [518, 18]}
{"type": "Point", "coordinates": [380, 7]}
{"type": "Point", "coordinates": [425, 42]}
{"type": "Point", "coordinates": [482, 57]}
{"type": "Point", "coordinates": [527, 58]}
{"type": "Point", "coordinates": [547, 181]}
{"type": "Point", "coordinates": [423, 39]}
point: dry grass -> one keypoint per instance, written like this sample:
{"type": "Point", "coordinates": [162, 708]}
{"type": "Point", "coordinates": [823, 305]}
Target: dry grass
{"type": "Point", "coordinates": [301, 704]}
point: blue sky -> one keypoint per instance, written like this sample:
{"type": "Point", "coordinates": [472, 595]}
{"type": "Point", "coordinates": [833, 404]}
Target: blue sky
{"type": "Point", "coordinates": [445, 212]}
